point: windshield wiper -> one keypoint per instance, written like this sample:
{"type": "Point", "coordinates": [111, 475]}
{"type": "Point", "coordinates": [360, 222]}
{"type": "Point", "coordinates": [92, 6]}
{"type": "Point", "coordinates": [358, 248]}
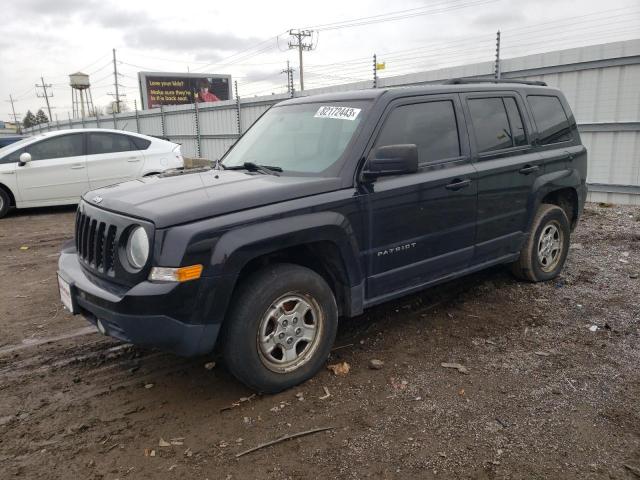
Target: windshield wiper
{"type": "Point", "coordinates": [254, 167]}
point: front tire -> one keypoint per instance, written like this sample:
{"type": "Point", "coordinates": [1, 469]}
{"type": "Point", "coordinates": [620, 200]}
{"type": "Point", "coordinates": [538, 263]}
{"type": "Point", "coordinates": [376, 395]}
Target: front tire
{"type": "Point", "coordinates": [280, 329]}
{"type": "Point", "coordinates": [546, 249]}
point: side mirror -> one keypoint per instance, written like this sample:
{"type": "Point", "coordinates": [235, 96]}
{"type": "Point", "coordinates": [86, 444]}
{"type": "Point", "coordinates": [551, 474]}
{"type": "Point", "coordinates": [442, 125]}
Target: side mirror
{"type": "Point", "coordinates": [392, 160]}
{"type": "Point", "coordinates": [25, 157]}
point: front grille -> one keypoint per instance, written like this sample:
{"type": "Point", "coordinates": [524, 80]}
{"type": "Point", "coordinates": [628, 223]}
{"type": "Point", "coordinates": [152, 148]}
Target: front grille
{"type": "Point", "coordinates": [100, 239]}
{"type": "Point", "coordinates": [95, 243]}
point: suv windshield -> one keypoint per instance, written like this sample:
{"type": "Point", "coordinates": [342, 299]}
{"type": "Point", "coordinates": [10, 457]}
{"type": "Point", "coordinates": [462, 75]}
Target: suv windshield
{"type": "Point", "coordinates": [306, 138]}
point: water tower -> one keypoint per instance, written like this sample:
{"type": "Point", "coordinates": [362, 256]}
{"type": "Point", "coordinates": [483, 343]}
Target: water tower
{"type": "Point", "coordinates": [81, 98]}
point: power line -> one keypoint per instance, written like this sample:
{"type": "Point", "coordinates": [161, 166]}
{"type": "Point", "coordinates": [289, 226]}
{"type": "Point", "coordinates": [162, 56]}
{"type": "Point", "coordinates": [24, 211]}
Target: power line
{"type": "Point", "coordinates": [106, 65]}
{"type": "Point", "coordinates": [189, 62]}
{"type": "Point", "coordinates": [472, 40]}
{"type": "Point", "coordinates": [401, 15]}
{"type": "Point", "coordinates": [93, 63]}
{"type": "Point", "coordinates": [248, 49]}
{"type": "Point", "coordinates": [402, 56]}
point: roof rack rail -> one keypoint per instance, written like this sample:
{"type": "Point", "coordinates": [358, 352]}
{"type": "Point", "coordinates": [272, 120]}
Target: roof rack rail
{"type": "Point", "coordinates": [462, 81]}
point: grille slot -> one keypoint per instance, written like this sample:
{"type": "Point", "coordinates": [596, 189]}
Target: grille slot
{"type": "Point", "coordinates": [109, 248]}
{"type": "Point", "coordinates": [99, 245]}
{"type": "Point", "coordinates": [96, 243]}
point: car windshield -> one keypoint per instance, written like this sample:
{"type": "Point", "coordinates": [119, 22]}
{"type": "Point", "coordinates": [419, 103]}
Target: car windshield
{"type": "Point", "coordinates": [306, 138]}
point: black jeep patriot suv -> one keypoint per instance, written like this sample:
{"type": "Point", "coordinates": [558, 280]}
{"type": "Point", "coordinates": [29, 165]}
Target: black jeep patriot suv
{"type": "Point", "coordinates": [328, 205]}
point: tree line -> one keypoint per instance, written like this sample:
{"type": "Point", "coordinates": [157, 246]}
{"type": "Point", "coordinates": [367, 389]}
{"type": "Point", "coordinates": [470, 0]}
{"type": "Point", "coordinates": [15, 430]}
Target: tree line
{"type": "Point", "coordinates": [31, 120]}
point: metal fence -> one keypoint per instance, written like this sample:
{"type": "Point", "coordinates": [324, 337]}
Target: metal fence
{"type": "Point", "coordinates": [601, 82]}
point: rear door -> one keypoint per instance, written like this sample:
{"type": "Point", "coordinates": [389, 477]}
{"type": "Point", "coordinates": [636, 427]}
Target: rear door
{"type": "Point", "coordinates": [57, 172]}
{"type": "Point", "coordinates": [422, 225]}
{"type": "Point", "coordinates": [507, 168]}
{"type": "Point", "coordinates": [112, 158]}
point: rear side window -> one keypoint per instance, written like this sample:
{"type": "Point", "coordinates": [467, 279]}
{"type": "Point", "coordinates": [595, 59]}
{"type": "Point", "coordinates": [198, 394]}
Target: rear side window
{"type": "Point", "coordinates": [431, 126]}
{"type": "Point", "coordinates": [140, 143]}
{"type": "Point", "coordinates": [109, 143]}
{"type": "Point", "coordinates": [57, 147]}
{"type": "Point", "coordinates": [551, 119]}
{"type": "Point", "coordinates": [490, 124]}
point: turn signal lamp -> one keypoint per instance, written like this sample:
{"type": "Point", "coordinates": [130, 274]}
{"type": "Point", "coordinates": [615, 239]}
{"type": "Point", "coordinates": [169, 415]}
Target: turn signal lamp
{"type": "Point", "coordinates": [181, 274]}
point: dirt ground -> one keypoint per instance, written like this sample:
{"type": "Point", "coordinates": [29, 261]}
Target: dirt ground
{"type": "Point", "coordinates": [544, 396]}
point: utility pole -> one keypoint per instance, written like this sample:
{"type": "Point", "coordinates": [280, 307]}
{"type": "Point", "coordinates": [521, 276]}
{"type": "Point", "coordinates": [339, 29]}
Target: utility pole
{"type": "Point", "coordinates": [289, 72]}
{"type": "Point", "coordinates": [301, 46]}
{"type": "Point", "coordinates": [115, 79]}
{"type": "Point", "coordinates": [497, 72]}
{"type": "Point", "coordinates": [15, 115]}
{"type": "Point", "coordinates": [46, 94]}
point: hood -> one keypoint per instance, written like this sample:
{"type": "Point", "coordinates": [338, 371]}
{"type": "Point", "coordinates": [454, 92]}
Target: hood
{"type": "Point", "coordinates": [193, 196]}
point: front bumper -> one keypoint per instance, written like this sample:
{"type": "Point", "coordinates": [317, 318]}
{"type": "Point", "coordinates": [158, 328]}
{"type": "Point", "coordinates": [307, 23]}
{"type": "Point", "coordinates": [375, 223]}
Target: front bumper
{"type": "Point", "coordinates": [162, 315]}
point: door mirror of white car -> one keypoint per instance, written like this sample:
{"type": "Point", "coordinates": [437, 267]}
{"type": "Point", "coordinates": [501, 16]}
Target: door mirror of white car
{"type": "Point", "coordinates": [25, 157]}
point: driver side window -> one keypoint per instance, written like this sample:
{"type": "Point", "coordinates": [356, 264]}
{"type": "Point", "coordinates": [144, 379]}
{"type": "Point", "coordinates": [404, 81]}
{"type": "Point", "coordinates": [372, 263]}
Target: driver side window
{"type": "Point", "coordinates": [431, 126]}
{"type": "Point", "coordinates": [62, 146]}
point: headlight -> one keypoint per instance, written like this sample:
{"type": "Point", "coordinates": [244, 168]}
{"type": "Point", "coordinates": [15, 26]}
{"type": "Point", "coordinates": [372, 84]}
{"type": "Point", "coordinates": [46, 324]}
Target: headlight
{"type": "Point", "coordinates": [138, 248]}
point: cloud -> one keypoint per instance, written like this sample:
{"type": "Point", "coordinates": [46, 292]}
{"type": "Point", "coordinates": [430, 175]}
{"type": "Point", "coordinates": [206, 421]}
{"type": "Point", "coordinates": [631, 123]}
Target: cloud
{"type": "Point", "coordinates": [49, 8]}
{"type": "Point", "coordinates": [114, 18]}
{"type": "Point", "coordinates": [208, 57]}
{"type": "Point", "coordinates": [498, 20]}
{"type": "Point", "coordinates": [151, 37]}
{"type": "Point", "coordinates": [57, 13]}
{"type": "Point", "coordinates": [255, 75]}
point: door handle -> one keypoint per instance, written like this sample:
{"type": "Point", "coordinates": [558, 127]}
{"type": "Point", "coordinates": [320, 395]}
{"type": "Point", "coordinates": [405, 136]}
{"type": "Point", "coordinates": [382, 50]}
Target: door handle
{"type": "Point", "coordinates": [77, 166]}
{"type": "Point", "coordinates": [457, 184]}
{"type": "Point", "coordinates": [527, 169]}
{"type": "Point", "coordinates": [133, 159]}
{"type": "Point", "coordinates": [9, 173]}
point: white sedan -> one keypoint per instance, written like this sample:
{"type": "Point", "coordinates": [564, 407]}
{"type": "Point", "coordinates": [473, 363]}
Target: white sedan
{"type": "Point", "coordinates": [55, 168]}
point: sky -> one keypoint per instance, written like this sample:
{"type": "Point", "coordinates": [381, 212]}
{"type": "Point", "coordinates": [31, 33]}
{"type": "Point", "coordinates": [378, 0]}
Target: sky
{"type": "Point", "coordinates": [249, 40]}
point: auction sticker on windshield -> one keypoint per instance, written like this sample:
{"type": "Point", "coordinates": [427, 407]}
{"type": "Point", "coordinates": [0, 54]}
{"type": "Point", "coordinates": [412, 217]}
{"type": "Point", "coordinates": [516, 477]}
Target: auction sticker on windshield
{"type": "Point", "coordinates": [340, 113]}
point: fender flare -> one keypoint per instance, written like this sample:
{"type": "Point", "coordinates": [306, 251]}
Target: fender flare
{"type": "Point", "coordinates": [550, 182]}
{"type": "Point", "coordinates": [237, 247]}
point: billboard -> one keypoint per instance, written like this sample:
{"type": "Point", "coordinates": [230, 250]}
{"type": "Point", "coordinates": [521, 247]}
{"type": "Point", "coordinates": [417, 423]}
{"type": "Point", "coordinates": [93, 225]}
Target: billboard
{"type": "Point", "coordinates": [169, 88]}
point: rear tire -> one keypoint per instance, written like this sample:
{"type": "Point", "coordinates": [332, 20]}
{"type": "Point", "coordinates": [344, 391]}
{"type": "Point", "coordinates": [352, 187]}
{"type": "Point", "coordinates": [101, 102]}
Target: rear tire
{"type": "Point", "coordinates": [280, 328]}
{"type": "Point", "coordinates": [545, 251]}
{"type": "Point", "coordinates": [5, 202]}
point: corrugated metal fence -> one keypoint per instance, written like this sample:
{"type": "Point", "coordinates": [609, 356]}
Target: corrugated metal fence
{"type": "Point", "coordinates": [601, 82]}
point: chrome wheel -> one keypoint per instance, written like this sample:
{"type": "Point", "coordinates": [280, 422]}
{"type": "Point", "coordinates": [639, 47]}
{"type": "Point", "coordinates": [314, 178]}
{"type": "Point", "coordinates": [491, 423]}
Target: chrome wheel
{"type": "Point", "coordinates": [289, 332]}
{"type": "Point", "coordinates": [550, 246]}
{"type": "Point", "coordinates": [1, 203]}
